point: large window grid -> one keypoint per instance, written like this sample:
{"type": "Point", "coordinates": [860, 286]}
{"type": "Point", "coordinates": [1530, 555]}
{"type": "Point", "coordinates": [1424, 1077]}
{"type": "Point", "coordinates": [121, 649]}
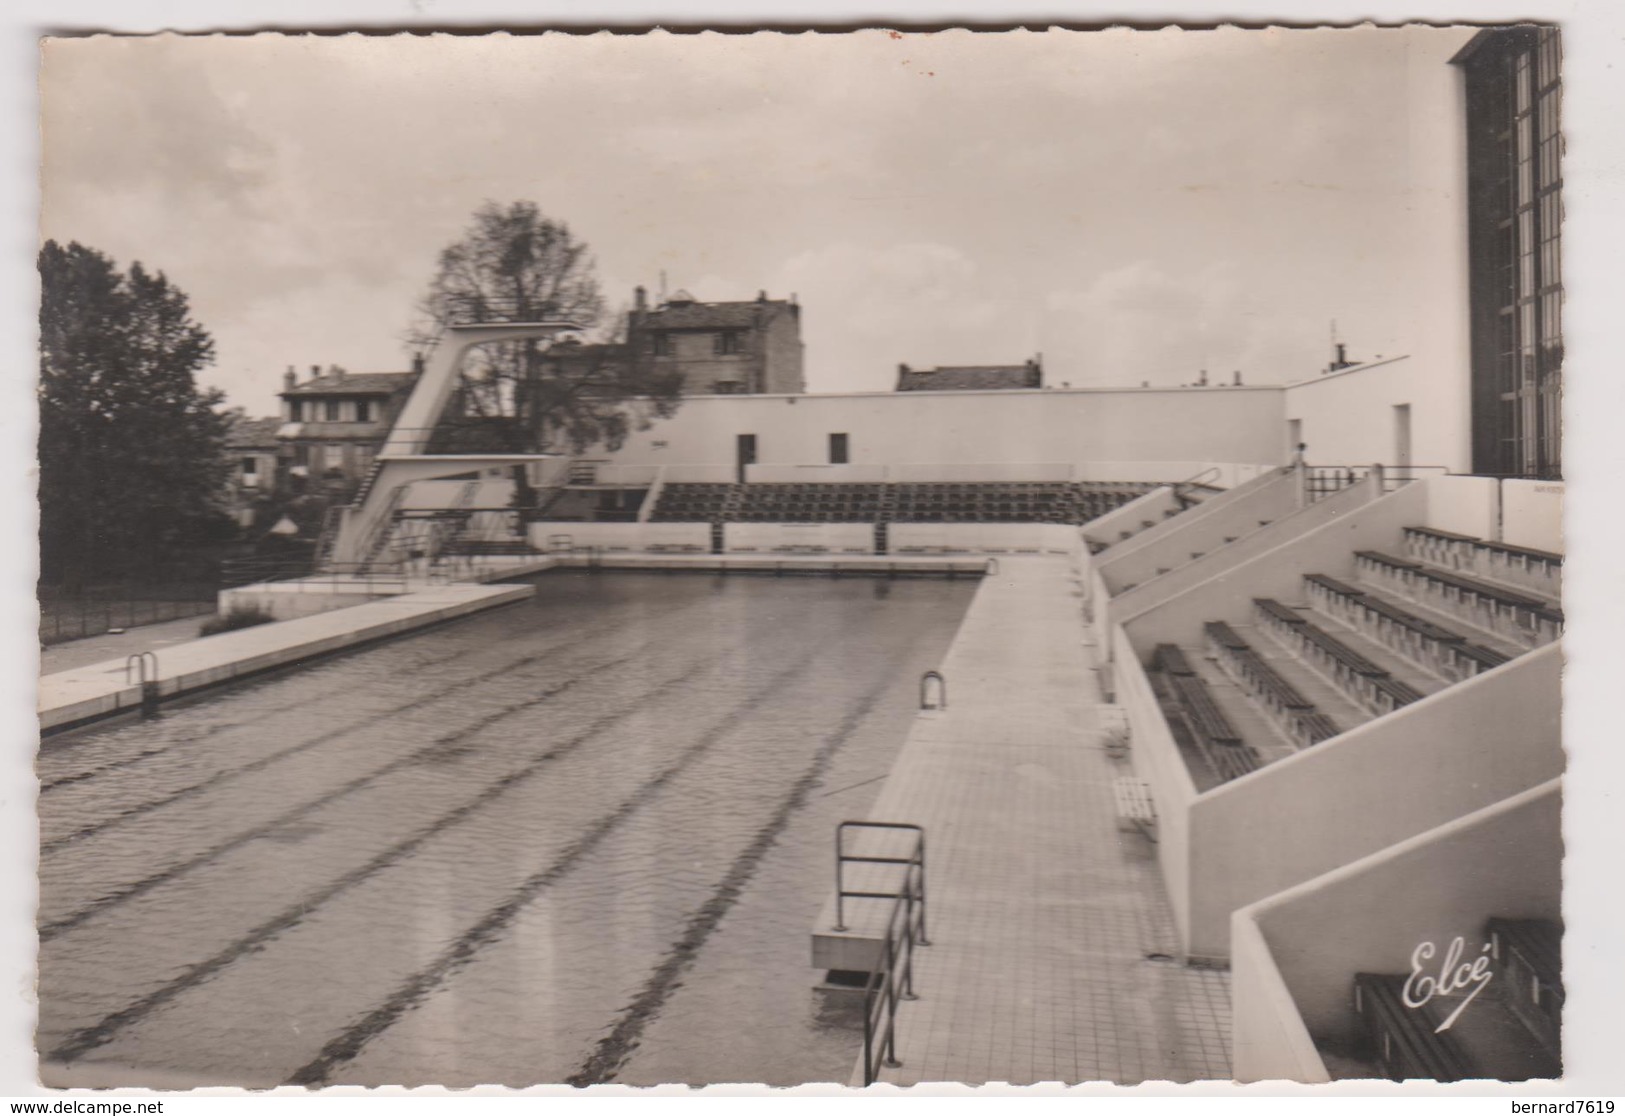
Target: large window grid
{"type": "Point", "coordinates": [1526, 120]}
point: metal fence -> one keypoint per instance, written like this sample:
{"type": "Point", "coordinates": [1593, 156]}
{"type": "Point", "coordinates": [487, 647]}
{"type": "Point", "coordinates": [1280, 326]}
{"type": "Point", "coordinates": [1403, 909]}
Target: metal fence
{"type": "Point", "coordinates": [62, 619]}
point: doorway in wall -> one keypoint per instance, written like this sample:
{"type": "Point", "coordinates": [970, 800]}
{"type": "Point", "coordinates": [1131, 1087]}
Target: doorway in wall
{"type": "Point", "coordinates": [745, 454]}
{"type": "Point", "coordinates": [838, 449]}
{"type": "Point", "coordinates": [1294, 438]}
{"type": "Point", "coordinates": [1402, 435]}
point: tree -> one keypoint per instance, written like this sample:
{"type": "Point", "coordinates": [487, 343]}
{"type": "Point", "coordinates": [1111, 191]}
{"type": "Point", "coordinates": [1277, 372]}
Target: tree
{"type": "Point", "coordinates": [132, 452]}
{"type": "Point", "coordinates": [516, 264]}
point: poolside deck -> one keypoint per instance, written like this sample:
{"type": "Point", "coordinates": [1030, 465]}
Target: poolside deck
{"type": "Point", "coordinates": [103, 689]}
{"type": "Point", "coordinates": [1053, 945]}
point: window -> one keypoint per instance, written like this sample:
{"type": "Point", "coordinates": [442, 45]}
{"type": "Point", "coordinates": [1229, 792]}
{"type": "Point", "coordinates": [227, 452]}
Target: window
{"type": "Point", "coordinates": [293, 410]}
{"type": "Point", "coordinates": [837, 449]}
{"type": "Point", "coordinates": [363, 410]}
{"type": "Point", "coordinates": [664, 344]}
{"type": "Point", "coordinates": [332, 410]}
{"type": "Point", "coordinates": [1515, 147]}
{"type": "Point", "coordinates": [726, 387]}
{"type": "Point", "coordinates": [730, 342]}
{"type": "Point", "coordinates": [251, 466]}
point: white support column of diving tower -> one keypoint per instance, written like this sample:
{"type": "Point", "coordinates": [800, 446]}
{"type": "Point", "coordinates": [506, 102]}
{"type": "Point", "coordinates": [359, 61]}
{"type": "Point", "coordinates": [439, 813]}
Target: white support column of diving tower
{"type": "Point", "coordinates": [403, 458]}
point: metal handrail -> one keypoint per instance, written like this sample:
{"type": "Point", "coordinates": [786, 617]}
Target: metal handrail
{"type": "Point", "coordinates": [149, 686]}
{"type": "Point", "coordinates": [137, 664]}
{"type": "Point", "coordinates": [942, 690]}
{"type": "Point", "coordinates": [891, 980]}
{"type": "Point", "coordinates": [1195, 479]}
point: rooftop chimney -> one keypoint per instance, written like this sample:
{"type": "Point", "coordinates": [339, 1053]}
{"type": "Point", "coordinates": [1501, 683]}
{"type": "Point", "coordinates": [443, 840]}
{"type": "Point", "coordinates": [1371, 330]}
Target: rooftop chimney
{"type": "Point", "coordinates": [1237, 381]}
{"type": "Point", "coordinates": [290, 379]}
{"type": "Point", "coordinates": [1202, 379]}
{"type": "Point", "coordinates": [315, 371]}
{"type": "Point", "coordinates": [640, 298]}
{"type": "Point", "coordinates": [1342, 355]}
{"type": "Point", "coordinates": [761, 296]}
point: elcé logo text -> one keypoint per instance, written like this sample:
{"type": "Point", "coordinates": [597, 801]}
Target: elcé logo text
{"type": "Point", "coordinates": [1453, 975]}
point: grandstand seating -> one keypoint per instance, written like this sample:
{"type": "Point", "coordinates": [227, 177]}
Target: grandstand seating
{"type": "Point", "coordinates": [934, 502]}
{"type": "Point", "coordinates": [1508, 1032]}
{"type": "Point", "coordinates": [1297, 674]}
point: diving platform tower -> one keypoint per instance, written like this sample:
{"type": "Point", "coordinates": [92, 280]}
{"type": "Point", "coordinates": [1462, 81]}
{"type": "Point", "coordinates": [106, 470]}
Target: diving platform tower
{"type": "Point", "coordinates": [359, 532]}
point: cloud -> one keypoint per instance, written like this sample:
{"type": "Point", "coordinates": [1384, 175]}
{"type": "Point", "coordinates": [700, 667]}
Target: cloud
{"type": "Point", "coordinates": [872, 307]}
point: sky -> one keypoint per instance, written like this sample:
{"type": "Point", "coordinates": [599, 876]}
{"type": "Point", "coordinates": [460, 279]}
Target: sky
{"type": "Point", "coordinates": [1134, 206]}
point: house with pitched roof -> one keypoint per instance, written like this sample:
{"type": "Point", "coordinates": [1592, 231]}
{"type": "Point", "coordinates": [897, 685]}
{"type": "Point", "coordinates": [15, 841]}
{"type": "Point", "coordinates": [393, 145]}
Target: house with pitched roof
{"type": "Point", "coordinates": [971, 377]}
{"type": "Point", "coordinates": [333, 423]}
{"type": "Point", "coordinates": [721, 348]}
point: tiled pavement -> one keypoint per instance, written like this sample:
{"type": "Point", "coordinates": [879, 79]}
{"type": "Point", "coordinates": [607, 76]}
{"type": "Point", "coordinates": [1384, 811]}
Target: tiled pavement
{"type": "Point", "coordinates": [1053, 945]}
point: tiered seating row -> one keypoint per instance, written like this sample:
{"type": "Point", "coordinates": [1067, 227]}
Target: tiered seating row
{"type": "Point", "coordinates": [1531, 954]}
{"type": "Point", "coordinates": [1294, 713]}
{"type": "Point", "coordinates": [1539, 571]}
{"type": "Point", "coordinates": [896, 503]}
{"type": "Point", "coordinates": [1523, 619]}
{"type": "Point", "coordinates": [1220, 744]}
{"type": "Point", "coordinates": [1424, 643]}
{"type": "Point", "coordinates": [1368, 684]}
{"type": "Point", "coordinates": [1512, 1034]}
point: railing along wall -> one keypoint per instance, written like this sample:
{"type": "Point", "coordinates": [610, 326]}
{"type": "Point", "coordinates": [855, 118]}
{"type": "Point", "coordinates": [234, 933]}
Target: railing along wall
{"type": "Point", "coordinates": [891, 979]}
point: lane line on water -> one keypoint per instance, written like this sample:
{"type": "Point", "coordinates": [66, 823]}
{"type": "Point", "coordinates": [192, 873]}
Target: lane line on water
{"type": "Point", "coordinates": [99, 1034]}
{"type": "Point", "coordinates": [348, 1044]}
{"type": "Point", "coordinates": [103, 903]}
{"type": "Point", "coordinates": [612, 1052]}
{"type": "Point", "coordinates": [564, 645]}
{"type": "Point", "coordinates": [56, 844]}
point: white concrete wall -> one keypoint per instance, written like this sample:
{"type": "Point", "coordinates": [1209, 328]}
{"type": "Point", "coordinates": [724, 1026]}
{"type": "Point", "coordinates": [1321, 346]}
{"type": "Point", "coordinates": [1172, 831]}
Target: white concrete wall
{"type": "Point", "coordinates": [1504, 860]}
{"type": "Point", "coordinates": [1451, 753]}
{"type": "Point", "coordinates": [1156, 759]}
{"type": "Point", "coordinates": [837, 538]}
{"type": "Point", "coordinates": [1532, 514]}
{"type": "Point", "coordinates": [286, 600]}
{"type": "Point", "coordinates": [1184, 426]}
{"type": "Point", "coordinates": [1348, 417]}
{"type": "Point", "coordinates": [622, 536]}
{"type": "Point", "coordinates": [1268, 1039]}
{"type": "Point", "coordinates": [1464, 505]}
{"type": "Point", "coordinates": [1200, 530]}
{"type": "Point", "coordinates": [983, 538]}
{"type": "Point", "coordinates": [1227, 593]}
{"type": "Point", "coordinates": [1131, 518]}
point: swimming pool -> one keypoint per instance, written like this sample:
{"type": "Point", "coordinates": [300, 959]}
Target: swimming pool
{"type": "Point", "coordinates": [579, 839]}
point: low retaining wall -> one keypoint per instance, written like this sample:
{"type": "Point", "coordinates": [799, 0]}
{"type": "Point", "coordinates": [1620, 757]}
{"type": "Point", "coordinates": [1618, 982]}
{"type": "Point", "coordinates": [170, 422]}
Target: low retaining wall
{"type": "Point", "coordinates": [1291, 982]}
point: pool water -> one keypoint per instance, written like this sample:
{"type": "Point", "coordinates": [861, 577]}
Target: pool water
{"type": "Point", "coordinates": [580, 839]}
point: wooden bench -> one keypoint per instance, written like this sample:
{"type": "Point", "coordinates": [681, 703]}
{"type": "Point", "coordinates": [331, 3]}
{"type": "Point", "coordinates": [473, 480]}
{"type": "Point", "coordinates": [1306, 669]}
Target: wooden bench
{"type": "Point", "coordinates": [1403, 1041]}
{"type": "Point", "coordinates": [1314, 727]}
{"type": "Point", "coordinates": [1231, 761]}
{"type": "Point", "coordinates": [1277, 611]}
{"type": "Point", "coordinates": [1224, 635]}
{"type": "Point", "coordinates": [1530, 953]}
{"type": "Point", "coordinates": [1207, 722]}
{"type": "Point", "coordinates": [1136, 810]}
{"type": "Point", "coordinates": [1170, 660]}
{"type": "Point", "coordinates": [1398, 692]}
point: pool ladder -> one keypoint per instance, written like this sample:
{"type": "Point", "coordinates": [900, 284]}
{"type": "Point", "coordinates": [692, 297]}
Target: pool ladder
{"type": "Point", "coordinates": [135, 670]}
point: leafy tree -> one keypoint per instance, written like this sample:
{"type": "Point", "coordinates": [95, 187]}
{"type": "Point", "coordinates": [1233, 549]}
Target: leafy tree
{"type": "Point", "coordinates": [514, 263]}
{"type": "Point", "coordinates": [132, 460]}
